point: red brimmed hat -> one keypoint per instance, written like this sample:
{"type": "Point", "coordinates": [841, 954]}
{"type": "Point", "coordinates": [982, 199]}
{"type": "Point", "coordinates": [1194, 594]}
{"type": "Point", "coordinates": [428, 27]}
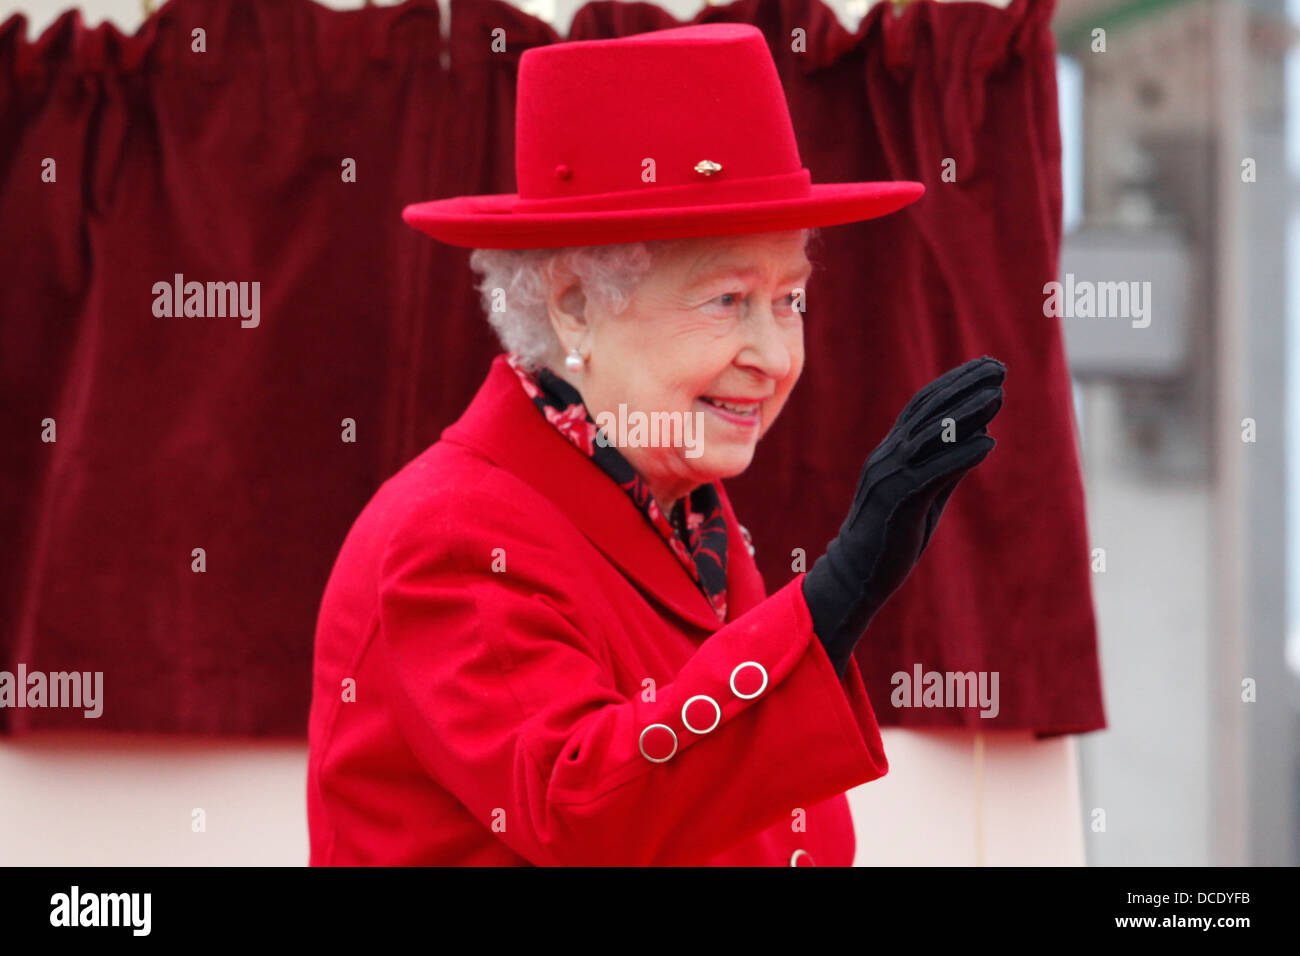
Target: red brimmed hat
{"type": "Point", "coordinates": [662, 135]}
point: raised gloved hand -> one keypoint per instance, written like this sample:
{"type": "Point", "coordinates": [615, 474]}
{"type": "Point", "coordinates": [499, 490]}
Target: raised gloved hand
{"type": "Point", "coordinates": [904, 486]}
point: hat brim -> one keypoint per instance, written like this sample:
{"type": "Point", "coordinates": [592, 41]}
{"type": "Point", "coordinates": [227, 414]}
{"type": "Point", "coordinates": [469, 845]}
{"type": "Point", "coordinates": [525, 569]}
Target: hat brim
{"type": "Point", "coordinates": [488, 222]}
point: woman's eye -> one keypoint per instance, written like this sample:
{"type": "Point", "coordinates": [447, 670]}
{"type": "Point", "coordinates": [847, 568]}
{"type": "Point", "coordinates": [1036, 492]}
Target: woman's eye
{"type": "Point", "coordinates": [729, 299]}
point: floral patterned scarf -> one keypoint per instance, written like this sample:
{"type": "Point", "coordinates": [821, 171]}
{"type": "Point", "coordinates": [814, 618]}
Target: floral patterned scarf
{"type": "Point", "coordinates": [696, 530]}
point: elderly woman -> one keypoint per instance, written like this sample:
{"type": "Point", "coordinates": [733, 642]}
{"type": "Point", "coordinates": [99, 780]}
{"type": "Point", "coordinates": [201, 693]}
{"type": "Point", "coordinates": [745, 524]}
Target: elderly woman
{"type": "Point", "coordinates": [545, 640]}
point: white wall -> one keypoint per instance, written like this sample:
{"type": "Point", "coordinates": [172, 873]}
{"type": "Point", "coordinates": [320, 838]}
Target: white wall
{"type": "Point", "coordinates": [97, 799]}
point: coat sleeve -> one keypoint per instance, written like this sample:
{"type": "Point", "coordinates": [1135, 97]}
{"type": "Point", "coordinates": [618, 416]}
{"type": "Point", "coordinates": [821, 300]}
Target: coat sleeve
{"type": "Point", "coordinates": [505, 692]}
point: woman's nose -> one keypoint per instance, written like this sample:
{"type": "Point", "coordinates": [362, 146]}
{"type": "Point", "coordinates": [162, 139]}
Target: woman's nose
{"type": "Point", "coordinates": [767, 349]}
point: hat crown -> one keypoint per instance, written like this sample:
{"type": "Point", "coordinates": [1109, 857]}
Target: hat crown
{"type": "Point", "coordinates": [604, 116]}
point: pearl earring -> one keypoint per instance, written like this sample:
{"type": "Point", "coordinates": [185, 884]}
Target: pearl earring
{"type": "Point", "coordinates": [573, 361]}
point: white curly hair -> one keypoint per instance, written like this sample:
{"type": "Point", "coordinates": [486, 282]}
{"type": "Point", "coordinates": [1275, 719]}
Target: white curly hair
{"type": "Point", "coordinates": [513, 283]}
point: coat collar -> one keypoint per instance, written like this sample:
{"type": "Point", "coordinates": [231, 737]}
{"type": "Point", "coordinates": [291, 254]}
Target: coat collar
{"type": "Point", "coordinates": [504, 426]}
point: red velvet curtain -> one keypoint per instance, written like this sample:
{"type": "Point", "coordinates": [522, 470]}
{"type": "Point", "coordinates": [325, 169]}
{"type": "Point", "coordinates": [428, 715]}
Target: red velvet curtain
{"type": "Point", "coordinates": [175, 434]}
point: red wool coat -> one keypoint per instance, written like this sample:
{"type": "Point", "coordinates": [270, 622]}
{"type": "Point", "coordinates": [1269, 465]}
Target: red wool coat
{"type": "Point", "coordinates": [512, 667]}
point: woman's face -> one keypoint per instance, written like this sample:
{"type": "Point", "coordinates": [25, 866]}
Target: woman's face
{"type": "Point", "coordinates": [714, 333]}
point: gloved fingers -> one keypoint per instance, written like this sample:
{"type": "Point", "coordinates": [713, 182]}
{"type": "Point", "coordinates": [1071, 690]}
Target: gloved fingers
{"type": "Point", "coordinates": [965, 393]}
{"type": "Point", "coordinates": [956, 425]}
{"type": "Point", "coordinates": [944, 407]}
{"type": "Point", "coordinates": [942, 381]}
{"type": "Point", "coordinates": [905, 490]}
{"type": "Point", "coordinates": [973, 413]}
{"type": "Point", "coordinates": [952, 386]}
{"type": "Point", "coordinates": [924, 393]}
{"type": "Point", "coordinates": [953, 459]}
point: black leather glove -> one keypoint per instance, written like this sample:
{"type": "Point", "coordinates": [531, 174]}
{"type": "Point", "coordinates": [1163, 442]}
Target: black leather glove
{"type": "Point", "coordinates": [904, 486]}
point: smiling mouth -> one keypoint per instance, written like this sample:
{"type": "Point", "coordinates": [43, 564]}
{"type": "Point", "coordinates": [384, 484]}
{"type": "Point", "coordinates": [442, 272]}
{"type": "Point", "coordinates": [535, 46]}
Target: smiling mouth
{"type": "Point", "coordinates": [736, 412]}
{"type": "Point", "coordinates": [740, 408]}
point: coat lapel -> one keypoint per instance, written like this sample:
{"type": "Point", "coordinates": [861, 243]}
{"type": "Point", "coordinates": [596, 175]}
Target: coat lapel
{"type": "Point", "coordinates": [503, 425]}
